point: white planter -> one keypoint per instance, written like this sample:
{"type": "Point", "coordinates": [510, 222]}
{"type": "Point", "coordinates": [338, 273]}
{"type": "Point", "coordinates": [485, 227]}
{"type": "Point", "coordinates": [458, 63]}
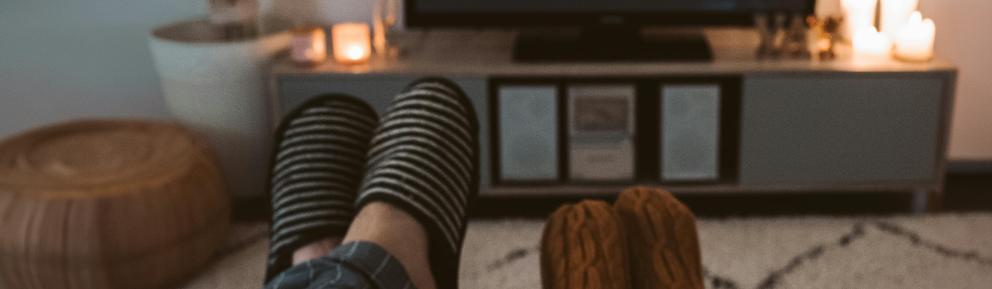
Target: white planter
{"type": "Point", "coordinates": [218, 88]}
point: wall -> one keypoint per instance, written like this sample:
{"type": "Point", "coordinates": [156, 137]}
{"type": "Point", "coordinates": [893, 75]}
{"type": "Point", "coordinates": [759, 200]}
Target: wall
{"type": "Point", "coordinates": [963, 37]}
{"type": "Point", "coordinates": [62, 59]}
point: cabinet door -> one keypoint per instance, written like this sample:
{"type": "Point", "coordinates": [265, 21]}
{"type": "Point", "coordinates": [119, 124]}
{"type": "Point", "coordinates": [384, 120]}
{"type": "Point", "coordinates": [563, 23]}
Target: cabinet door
{"type": "Point", "coordinates": [528, 133]}
{"type": "Point", "coordinates": [840, 129]}
{"type": "Point", "coordinates": [379, 91]}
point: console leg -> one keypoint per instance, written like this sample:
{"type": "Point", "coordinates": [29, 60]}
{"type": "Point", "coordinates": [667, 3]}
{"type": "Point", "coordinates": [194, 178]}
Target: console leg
{"type": "Point", "coordinates": [921, 201]}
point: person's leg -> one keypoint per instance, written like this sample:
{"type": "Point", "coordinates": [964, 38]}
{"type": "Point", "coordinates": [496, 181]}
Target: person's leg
{"type": "Point", "coordinates": [422, 176]}
{"type": "Point", "coordinates": [399, 234]}
{"type": "Point", "coordinates": [318, 159]}
{"type": "Point", "coordinates": [315, 250]}
{"type": "Point", "coordinates": [353, 265]}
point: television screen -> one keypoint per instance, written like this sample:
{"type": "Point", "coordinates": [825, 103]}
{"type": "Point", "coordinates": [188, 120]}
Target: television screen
{"type": "Point", "coordinates": [565, 6]}
{"type": "Point", "coordinates": [428, 13]}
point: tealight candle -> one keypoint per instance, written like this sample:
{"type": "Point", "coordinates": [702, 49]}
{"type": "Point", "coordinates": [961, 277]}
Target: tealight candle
{"type": "Point", "coordinates": [858, 14]}
{"type": "Point", "coordinates": [352, 43]}
{"type": "Point", "coordinates": [870, 45]}
{"type": "Point", "coordinates": [894, 15]}
{"type": "Point", "coordinates": [915, 41]}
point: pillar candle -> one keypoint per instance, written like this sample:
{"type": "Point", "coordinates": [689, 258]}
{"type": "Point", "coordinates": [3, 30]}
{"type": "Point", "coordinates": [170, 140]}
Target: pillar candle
{"type": "Point", "coordinates": [894, 15]}
{"type": "Point", "coordinates": [352, 43]}
{"type": "Point", "coordinates": [915, 41]}
{"type": "Point", "coordinates": [871, 46]}
{"type": "Point", "coordinates": [858, 14]}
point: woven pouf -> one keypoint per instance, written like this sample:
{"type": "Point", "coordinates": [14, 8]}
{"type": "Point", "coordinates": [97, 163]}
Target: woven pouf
{"type": "Point", "coordinates": [108, 204]}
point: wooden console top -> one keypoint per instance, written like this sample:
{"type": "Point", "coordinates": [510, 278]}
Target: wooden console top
{"type": "Point", "coordinates": [488, 52]}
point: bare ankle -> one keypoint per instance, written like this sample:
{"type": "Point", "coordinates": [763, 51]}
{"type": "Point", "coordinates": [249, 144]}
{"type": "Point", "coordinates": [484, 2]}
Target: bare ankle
{"type": "Point", "coordinates": [315, 250]}
{"type": "Point", "coordinates": [398, 233]}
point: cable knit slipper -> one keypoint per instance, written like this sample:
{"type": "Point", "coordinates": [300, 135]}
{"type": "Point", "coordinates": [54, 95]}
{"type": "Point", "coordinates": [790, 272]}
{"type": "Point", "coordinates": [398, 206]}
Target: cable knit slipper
{"type": "Point", "coordinates": [662, 239]}
{"type": "Point", "coordinates": [584, 247]}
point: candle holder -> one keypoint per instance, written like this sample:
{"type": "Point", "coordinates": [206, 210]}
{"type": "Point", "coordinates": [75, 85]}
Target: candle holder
{"type": "Point", "coordinates": [351, 42]}
{"type": "Point", "coordinates": [309, 46]}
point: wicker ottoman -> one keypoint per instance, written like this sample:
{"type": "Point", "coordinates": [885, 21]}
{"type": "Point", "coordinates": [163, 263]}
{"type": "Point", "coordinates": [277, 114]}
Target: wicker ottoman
{"type": "Point", "coordinates": [108, 204]}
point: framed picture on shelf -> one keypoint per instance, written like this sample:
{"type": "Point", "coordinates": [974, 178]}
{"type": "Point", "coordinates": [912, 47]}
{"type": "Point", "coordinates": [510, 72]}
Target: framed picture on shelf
{"type": "Point", "coordinates": [601, 132]}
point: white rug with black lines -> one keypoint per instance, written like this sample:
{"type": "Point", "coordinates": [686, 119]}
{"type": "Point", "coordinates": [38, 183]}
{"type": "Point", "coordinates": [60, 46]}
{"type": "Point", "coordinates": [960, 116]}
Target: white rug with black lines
{"type": "Point", "coordinates": [937, 251]}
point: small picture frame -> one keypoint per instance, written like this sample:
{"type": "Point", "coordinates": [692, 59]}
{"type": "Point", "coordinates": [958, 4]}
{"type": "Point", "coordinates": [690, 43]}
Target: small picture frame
{"type": "Point", "coordinates": [601, 132]}
{"type": "Point", "coordinates": [601, 110]}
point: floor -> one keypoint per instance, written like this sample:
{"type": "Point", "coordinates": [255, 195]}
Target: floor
{"type": "Point", "coordinates": [948, 250]}
{"type": "Point", "coordinates": [970, 192]}
{"type": "Point", "coordinates": [763, 241]}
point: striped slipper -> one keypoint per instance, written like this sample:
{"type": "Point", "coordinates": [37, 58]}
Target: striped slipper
{"type": "Point", "coordinates": [318, 164]}
{"type": "Point", "coordinates": [424, 160]}
{"type": "Point", "coordinates": [663, 242]}
{"type": "Point", "coordinates": [584, 247]}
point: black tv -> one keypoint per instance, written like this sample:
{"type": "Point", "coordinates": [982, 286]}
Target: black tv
{"type": "Point", "coordinates": [599, 30]}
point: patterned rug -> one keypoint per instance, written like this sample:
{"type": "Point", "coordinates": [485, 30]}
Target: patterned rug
{"type": "Point", "coordinates": [938, 251]}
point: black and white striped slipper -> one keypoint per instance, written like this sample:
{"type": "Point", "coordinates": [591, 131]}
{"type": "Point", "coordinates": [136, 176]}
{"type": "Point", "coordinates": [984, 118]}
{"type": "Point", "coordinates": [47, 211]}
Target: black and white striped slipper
{"type": "Point", "coordinates": [318, 164]}
{"type": "Point", "coordinates": [424, 160]}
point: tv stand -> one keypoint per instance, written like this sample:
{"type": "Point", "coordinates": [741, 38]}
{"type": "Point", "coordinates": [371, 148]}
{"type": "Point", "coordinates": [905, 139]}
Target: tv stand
{"type": "Point", "coordinates": [609, 44]}
{"type": "Point", "coordinates": [785, 125]}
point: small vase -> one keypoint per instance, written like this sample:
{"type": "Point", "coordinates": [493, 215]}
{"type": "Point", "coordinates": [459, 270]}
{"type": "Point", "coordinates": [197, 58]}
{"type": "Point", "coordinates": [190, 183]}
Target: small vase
{"type": "Point", "coordinates": [385, 22]}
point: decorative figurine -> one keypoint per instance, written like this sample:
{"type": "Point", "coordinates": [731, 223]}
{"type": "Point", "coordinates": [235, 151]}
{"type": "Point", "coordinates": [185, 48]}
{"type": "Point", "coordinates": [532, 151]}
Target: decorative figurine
{"type": "Point", "coordinates": [826, 32]}
{"type": "Point", "coordinates": [765, 35]}
{"type": "Point", "coordinates": [796, 45]}
{"type": "Point", "coordinates": [780, 41]}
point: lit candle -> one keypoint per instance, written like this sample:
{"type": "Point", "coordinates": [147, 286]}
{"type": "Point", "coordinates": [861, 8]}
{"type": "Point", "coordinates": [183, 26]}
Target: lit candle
{"type": "Point", "coordinates": [352, 43]}
{"type": "Point", "coordinates": [858, 14]}
{"type": "Point", "coordinates": [915, 41]}
{"type": "Point", "coordinates": [894, 15]}
{"type": "Point", "coordinates": [870, 45]}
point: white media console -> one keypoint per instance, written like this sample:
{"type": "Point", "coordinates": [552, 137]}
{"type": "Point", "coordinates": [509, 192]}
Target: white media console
{"type": "Point", "coordinates": [733, 125]}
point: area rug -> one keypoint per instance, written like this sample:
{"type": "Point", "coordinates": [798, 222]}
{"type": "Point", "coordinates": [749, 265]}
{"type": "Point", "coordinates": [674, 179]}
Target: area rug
{"type": "Point", "coordinates": [936, 251]}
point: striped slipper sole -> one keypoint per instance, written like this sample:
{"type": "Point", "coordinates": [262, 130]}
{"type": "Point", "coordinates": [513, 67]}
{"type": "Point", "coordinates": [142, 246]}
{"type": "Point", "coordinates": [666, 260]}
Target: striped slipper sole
{"type": "Point", "coordinates": [584, 247]}
{"type": "Point", "coordinates": [662, 238]}
{"type": "Point", "coordinates": [318, 163]}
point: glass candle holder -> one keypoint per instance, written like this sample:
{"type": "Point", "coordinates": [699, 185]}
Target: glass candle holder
{"type": "Point", "coordinates": [309, 46]}
{"type": "Point", "coordinates": [351, 42]}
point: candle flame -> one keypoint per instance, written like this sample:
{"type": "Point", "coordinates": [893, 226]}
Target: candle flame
{"type": "Point", "coordinates": [354, 52]}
